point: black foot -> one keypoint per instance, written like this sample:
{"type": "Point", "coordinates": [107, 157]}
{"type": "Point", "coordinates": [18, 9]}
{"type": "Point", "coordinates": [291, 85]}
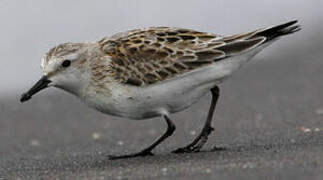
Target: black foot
{"type": "Point", "coordinates": [140, 154]}
{"type": "Point", "coordinates": [185, 150]}
{"type": "Point", "coordinates": [197, 144]}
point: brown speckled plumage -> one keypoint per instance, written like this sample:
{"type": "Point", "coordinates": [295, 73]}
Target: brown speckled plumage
{"type": "Point", "coordinates": [147, 56]}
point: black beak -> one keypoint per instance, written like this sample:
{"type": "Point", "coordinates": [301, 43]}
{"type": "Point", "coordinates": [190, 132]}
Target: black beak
{"type": "Point", "coordinates": [41, 84]}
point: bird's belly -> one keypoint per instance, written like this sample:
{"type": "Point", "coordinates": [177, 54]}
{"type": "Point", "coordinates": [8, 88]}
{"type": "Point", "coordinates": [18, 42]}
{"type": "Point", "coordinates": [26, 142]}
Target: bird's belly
{"type": "Point", "coordinates": [147, 102]}
{"type": "Point", "coordinates": [150, 103]}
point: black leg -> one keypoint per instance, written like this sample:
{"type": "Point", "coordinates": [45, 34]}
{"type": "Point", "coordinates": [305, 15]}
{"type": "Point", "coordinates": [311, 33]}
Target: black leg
{"type": "Point", "coordinates": [201, 139]}
{"type": "Point", "coordinates": [147, 151]}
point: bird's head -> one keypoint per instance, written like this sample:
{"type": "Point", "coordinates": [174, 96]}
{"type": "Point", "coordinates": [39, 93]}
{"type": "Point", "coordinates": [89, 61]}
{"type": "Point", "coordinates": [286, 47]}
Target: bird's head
{"type": "Point", "coordinates": [64, 66]}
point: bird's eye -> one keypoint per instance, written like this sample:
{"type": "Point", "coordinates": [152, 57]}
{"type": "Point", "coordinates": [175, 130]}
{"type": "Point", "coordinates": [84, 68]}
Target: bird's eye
{"type": "Point", "coordinates": [66, 63]}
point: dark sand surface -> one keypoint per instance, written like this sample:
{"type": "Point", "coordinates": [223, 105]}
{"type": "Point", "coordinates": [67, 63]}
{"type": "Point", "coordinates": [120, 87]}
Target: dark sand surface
{"type": "Point", "coordinates": [269, 117]}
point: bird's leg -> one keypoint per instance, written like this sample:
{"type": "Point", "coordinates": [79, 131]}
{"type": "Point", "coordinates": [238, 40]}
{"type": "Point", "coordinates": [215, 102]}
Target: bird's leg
{"type": "Point", "coordinates": [201, 139]}
{"type": "Point", "coordinates": [147, 151]}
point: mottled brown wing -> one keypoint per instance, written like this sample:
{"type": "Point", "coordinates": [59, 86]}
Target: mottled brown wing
{"type": "Point", "coordinates": [148, 56]}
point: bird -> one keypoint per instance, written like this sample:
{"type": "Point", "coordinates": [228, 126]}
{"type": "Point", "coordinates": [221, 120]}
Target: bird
{"type": "Point", "coordinates": [153, 72]}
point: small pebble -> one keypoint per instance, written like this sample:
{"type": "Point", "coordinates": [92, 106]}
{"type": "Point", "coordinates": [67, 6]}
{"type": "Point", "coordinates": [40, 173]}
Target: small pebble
{"type": "Point", "coordinates": [305, 130]}
{"type": "Point", "coordinates": [193, 132]}
{"type": "Point", "coordinates": [34, 142]}
{"type": "Point", "coordinates": [164, 170]}
{"type": "Point", "coordinates": [96, 136]}
{"type": "Point", "coordinates": [317, 129]}
{"type": "Point", "coordinates": [120, 143]}
{"type": "Point", "coordinates": [208, 170]}
{"type": "Point", "coordinates": [292, 141]}
{"type": "Point", "coordinates": [248, 165]}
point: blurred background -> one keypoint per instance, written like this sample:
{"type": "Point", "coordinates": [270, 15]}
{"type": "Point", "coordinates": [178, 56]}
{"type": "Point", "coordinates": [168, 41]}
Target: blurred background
{"type": "Point", "coordinates": [275, 99]}
{"type": "Point", "coordinates": [28, 30]}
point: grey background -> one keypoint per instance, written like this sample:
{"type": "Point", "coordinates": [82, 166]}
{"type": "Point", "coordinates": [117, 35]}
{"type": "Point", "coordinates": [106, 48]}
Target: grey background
{"type": "Point", "coordinates": [269, 116]}
{"type": "Point", "coordinates": [31, 28]}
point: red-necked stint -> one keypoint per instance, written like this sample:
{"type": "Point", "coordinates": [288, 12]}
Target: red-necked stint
{"type": "Point", "coordinates": [152, 72]}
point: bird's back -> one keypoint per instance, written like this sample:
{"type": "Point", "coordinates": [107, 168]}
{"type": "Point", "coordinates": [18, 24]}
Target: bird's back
{"type": "Point", "coordinates": [148, 56]}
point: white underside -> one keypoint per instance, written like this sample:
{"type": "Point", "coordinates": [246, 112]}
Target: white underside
{"type": "Point", "coordinates": [171, 96]}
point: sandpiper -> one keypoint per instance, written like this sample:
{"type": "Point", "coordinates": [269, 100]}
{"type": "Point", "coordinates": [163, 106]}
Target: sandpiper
{"type": "Point", "coordinates": [152, 72]}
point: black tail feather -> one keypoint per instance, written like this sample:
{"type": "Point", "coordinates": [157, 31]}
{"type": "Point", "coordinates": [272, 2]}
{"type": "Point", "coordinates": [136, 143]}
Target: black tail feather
{"type": "Point", "coordinates": [280, 30]}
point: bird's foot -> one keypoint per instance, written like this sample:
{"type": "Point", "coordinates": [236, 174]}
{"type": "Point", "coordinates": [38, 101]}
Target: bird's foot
{"type": "Point", "coordinates": [187, 149]}
{"type": "Point", "coordinates": [139, 154]}
{"type": "Point", "coordinates": [197, 144]}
